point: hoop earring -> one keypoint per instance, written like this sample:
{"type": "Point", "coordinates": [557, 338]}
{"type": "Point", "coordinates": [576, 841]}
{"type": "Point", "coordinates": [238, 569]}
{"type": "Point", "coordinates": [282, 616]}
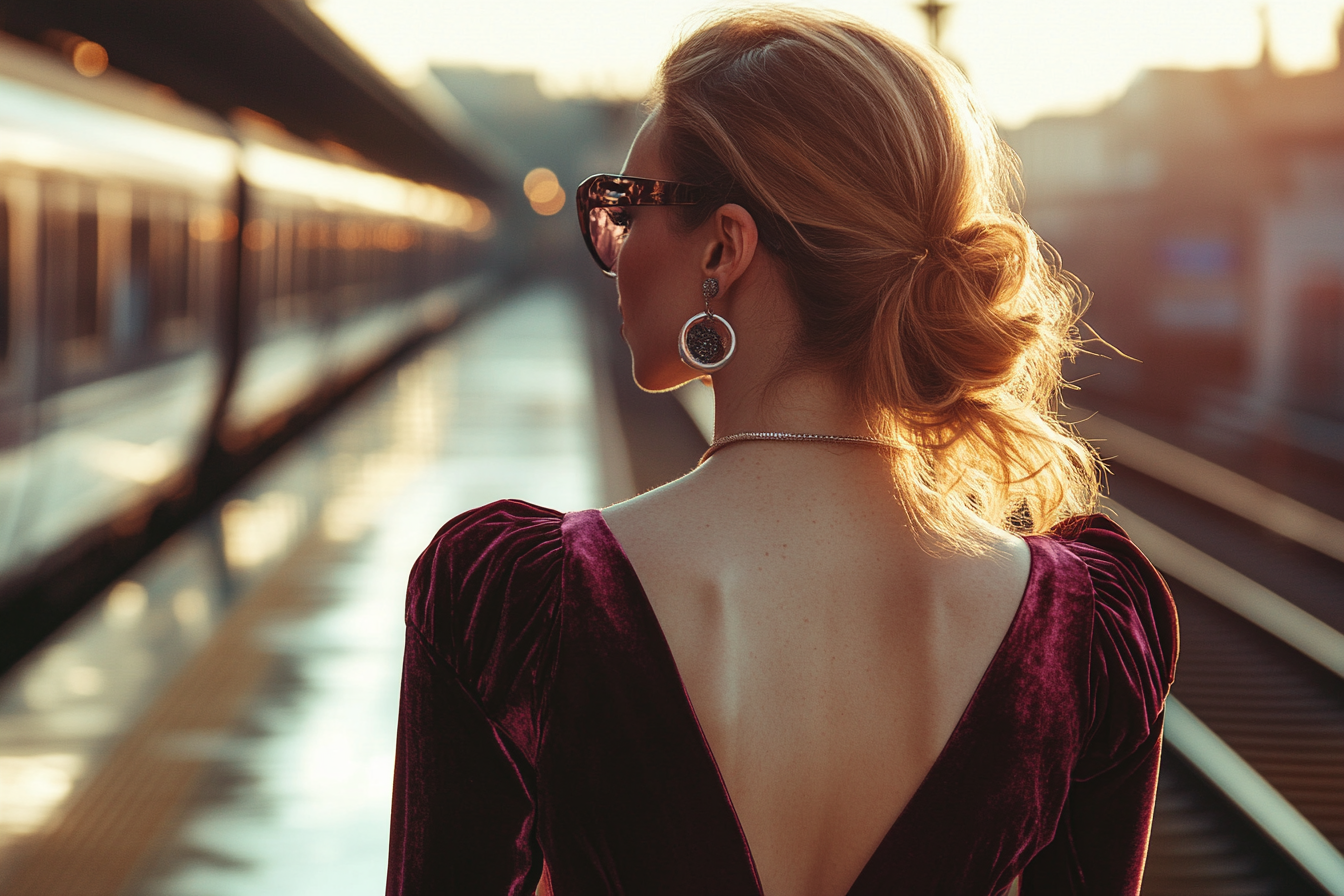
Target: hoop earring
{"type": "Point", "coordinates": [707, 341]}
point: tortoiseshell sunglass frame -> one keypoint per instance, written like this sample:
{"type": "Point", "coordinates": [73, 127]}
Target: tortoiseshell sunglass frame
{"type": "Point", "coordinates": [608, 191]}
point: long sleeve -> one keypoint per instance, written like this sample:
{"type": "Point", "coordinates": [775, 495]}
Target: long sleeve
{"type": "Point", "coordinates": [1101, 841]}
{"type": "Point", "coordinates": [480, 610]}
{"type": "Point", "coordinates": [462, 811]}
{"type": "Point", "coordinates": [1102, 838]}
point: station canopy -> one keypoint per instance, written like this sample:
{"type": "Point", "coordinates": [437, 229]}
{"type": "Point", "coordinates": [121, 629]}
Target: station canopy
{"type": "Point", "coordinates": [275, 57]}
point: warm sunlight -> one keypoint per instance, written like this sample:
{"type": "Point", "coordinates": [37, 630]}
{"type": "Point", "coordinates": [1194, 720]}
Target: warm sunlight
{"type": "Point", "coordinates": [1025, 57]}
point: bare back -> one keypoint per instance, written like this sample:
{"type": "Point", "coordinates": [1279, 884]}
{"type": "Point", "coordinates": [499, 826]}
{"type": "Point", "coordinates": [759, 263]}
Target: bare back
{"type": "Point", "coordinates": [827, 656]}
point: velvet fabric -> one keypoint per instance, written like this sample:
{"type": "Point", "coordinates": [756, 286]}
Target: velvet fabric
{"type": "Point", "coordinates": [542, 716]}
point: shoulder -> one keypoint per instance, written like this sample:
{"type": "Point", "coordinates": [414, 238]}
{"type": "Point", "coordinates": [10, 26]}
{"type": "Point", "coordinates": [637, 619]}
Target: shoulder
{"type": "Point", "coordinates": [1135, 639]}
{"type": "Point", "coordinates": [1132, 601]}
{"type": "Point", "coordinates": [484, 578]}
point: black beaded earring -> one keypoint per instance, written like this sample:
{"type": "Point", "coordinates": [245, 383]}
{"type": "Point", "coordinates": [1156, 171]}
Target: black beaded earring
{"type": "Point", "coordinates": [707, 341]}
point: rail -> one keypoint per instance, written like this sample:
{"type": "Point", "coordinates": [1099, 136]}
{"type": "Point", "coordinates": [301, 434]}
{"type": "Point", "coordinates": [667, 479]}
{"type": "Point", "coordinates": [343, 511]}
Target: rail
{"type": "Point", "coordinates": [1242, 595]}
{"type": "Point", "coordinates": [1216, 485]}
{"type": "Point", "coordinates": [1256, 797]}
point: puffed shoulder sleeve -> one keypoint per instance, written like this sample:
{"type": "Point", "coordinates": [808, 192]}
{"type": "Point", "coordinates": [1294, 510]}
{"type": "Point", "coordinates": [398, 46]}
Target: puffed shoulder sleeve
{"type": "Point", "coordinates": [483, 595]}
{"type": "Point", "coordinates": [480, 612]}
{"type": "Point", "coordinates": [1101, 842]}
{"type": "Point", "coordinates": [1134, 644]}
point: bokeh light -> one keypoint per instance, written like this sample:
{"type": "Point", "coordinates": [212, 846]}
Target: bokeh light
{"type": "Point", "coordinates": [543, 190]}
{"type": "Point", "coordinates": [481, 224]}
{"type": "Point", "coordinates": [89, 58]}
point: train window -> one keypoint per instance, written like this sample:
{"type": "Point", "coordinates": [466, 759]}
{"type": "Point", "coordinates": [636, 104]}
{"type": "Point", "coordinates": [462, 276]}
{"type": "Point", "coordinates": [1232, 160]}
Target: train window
{"type": "Point", "coordinates": [168, 247]}
{"type": "Point", "coordinates": [284, 266]}
{"type": "Point", "coordinates": [139, 278]}
{"type": "Point", "coordinates": [84, 317]}
{"type": "Point", "coordinates": [323, 271]}
{"type": "Point", "coordinates": [212, 231]}
{"type": "Point", "coordinates": [4, 283]}
{"type": "Point", "coordinates": [347, 265]}
{"type": "Point", "coordinates": [298, 263]}
{"type": "Point", "coordinates": [70, 249]}
{"type": "Point", "coordinates": [259, 268]}
{"type": "Point", "coordinates": [57, 248]}
{"type": "Point", "coordinates": [308, 258]}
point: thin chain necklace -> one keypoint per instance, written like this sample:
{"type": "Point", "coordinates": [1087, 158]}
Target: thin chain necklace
{"type": "Point", "coordinates": [789, 437]}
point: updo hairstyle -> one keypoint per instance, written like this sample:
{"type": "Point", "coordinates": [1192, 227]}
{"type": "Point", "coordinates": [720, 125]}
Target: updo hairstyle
{"type": "Point", "coordinates": [888, 199]}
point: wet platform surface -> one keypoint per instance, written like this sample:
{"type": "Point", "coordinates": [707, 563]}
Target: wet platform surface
{"type": "Point", "coordinates": [223, 720]}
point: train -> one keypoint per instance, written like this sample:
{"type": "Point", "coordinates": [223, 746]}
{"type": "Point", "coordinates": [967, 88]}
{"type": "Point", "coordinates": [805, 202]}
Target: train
{"type": "Point", "coordinates": [176, 285]}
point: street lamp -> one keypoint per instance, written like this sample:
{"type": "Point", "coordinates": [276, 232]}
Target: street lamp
{"type": "Point", "coordinates": [933, 11]}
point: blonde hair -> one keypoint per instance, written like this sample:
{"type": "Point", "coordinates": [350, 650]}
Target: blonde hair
{"type": "Point", "coordinates": [889, 200]}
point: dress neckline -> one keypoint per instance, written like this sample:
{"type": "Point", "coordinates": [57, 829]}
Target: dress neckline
{"type": "Point", "coordinates": [949, 746]}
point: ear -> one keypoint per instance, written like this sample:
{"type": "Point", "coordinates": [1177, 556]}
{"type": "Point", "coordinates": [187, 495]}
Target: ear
{"type": "Point", "coordinates": [732, 246]}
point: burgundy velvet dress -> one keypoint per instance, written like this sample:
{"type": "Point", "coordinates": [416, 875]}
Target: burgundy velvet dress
{"type": "Point", "coordinates": [542, 715]}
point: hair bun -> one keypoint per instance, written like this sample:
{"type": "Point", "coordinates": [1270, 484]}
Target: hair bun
{"type": "Point", "coordinates": [966, 326]}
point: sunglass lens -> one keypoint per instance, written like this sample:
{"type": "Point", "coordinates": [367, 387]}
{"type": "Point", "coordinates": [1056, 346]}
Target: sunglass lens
{"type": "Point", "coordinates": [606, 228]}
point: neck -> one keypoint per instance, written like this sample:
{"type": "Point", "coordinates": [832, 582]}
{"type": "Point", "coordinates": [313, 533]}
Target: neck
{"type": "Point", "coordinates": [800, 403]}
{"type": "Point", "coordinates": [749, 393]}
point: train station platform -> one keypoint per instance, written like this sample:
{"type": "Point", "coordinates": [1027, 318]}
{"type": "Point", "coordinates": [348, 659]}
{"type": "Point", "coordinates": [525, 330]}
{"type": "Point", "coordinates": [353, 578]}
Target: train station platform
{"type": "Point", "coordinates": [223, 719]}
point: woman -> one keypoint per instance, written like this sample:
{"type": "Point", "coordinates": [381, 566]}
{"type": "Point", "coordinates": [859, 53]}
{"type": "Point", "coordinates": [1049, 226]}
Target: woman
{"type": "Point", "coordinates": [867, 646]}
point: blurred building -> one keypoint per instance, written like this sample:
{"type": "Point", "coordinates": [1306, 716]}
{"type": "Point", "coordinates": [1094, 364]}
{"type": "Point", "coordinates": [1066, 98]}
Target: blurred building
{"type": "Point", "coordinates": [1205, 209]}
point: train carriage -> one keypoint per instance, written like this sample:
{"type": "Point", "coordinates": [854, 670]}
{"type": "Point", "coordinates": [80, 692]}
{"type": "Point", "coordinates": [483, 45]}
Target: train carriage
{"type": "Point", "coordinates": [116, 201]}
{"type": "Point", "coordinates": [170, 280]}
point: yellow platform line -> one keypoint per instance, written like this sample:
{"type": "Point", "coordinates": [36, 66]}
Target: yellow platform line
{"type": "Point", "coordinates": [135, 799]}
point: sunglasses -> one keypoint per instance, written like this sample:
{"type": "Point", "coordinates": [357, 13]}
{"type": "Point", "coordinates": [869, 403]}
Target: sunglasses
{"type": "Point", "coordinates": [602, 201]}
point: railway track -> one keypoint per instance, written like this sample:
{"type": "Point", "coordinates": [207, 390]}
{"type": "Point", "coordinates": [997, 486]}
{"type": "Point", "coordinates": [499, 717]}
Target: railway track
{"type": "Point", "coordinates": [1252, 801]}
{"type": "Point", "coordinates": [1202, 845]}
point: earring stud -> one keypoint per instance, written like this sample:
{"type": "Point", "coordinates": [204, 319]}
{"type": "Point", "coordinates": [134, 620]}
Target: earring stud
{"type": "Point", "coordinates": [707, 341]}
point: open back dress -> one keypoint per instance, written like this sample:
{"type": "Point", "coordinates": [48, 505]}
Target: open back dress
{"type": "Point", "coordinates": [543, 719]}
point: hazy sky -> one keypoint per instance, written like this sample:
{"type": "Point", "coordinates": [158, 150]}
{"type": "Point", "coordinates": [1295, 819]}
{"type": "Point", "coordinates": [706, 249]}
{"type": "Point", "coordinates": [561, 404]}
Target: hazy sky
{"type": "Point", "coordinates": [1024, 57]}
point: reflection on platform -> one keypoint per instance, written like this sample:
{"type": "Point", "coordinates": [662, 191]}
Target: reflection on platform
{"type": "Point", "coordinates": [103, 447]}
{"type": "Point", "coordinates": [223, 720]}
